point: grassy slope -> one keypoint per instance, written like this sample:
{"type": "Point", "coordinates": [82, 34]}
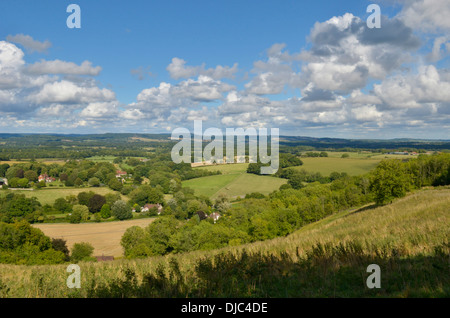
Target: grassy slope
{"type": "Point", "coordinates": [411, 226]}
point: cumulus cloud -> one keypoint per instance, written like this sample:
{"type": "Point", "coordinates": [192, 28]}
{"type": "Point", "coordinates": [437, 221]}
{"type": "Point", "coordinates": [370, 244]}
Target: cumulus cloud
{"type": "Point", "coordinates": [275, 74]}
{"type": "Point", "coordinates": [29, 43]}
{"type": "Point", "coordinates": [178, 69]}
{"type": "Point", "coordinates": [62, 67]}
{"type": "Point", "coordinates": [426, 15]}
{"type": "Point", "coordinates": [345, 54]}
{"type": "Point", "coordinates": [68, 92]}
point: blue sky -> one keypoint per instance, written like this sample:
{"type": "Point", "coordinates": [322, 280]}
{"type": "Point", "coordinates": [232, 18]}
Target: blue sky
{"type": "Point", "coordinates": [152, 66]}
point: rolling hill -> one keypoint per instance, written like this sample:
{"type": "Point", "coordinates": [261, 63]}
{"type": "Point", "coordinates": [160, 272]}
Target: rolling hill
{"type": "Point", "coordinates": [408, 239]}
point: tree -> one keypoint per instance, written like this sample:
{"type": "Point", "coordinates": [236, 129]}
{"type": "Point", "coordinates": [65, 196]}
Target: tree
{"type": "Point", "coordinates": [296, 181]}
{"type": "Point", "coordinates": [75, 217]}
{"type": "Point", "coordinates": [23, 183]}
{"type": "Point", "coordinates": [81, 252]}
{"type": "Point", "coordinates": [121, 210]}
{"type": "Point", "coordinates": [78, 182]}
{"type": "Point", "coordinates": [82, 210]}
{"type": "Point", "coordinates": [31, 175]}
{"type": "Point", "coordinates": [115, 184]}
{"type": "Point", "coordinates": [96, 202]}
{"type": "Point", "coordinates": [111, 198]}
{"type": "Point", "coordinates": [94, 182]}
{"type": "Point", "coordinates": [61, 245]}
{"type": "Point", "coordinates": [62, 205]}
{"type": "Point", "coordinates": [389, 180]}
{"type": "Point", "coordinates": [105, 212]}
{"type": "Point", "coordinates": [84, 197]}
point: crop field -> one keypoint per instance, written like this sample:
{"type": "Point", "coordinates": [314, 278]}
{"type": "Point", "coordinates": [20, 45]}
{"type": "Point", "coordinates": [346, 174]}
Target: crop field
{"type": "Point", "coordinates": [104, 237]}
{"type": "Point", "coordinates": [48, 196]}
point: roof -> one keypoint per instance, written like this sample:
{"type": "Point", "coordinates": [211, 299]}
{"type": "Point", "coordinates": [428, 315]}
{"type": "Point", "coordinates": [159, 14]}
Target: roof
{"type": "Point", "coordinates": [104, 258]}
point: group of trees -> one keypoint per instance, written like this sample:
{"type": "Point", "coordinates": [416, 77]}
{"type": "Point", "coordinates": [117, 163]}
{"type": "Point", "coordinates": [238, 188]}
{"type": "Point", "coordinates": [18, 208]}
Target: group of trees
{"type": "Point", "coordinates": [285, 160]}
{"type": "Point", "coordinates": [17, 207]}
{"type": "Point", "coordinates": [260, 217]}
{"type": "Point", "coordinates": [20, 243]}
{"type": "Point", "coordinates": [394, 178]}
{"type": "Point", "coordinates": [256, 218]}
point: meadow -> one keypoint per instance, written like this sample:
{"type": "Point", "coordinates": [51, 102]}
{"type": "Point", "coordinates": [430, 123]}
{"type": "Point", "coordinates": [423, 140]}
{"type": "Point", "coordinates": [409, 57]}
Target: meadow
{"type": "Point", "coordinates": [233, 182]}
{"type": "Point", "coordinates": [408, 239]}
{"type": "Point", "coordinates": [326, 165]}
{"type": "Point", "coordinates": [49, 195]}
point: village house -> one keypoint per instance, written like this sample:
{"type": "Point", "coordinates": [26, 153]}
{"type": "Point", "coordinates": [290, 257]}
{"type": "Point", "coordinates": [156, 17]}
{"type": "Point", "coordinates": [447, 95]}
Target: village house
{"type": "Point", "coordinates": [120, 174]}
{"type": "Point", "coordinates": [215, 216]}
{"type": "Point", "coordinates": [44, 177]}
{"type": "Point", "coordinates": [148, 207]}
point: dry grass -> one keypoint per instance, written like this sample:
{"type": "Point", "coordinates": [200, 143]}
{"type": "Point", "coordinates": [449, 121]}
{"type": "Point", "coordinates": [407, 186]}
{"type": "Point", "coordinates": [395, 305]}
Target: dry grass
{"type": "Point", "coordinates": [104, 237]}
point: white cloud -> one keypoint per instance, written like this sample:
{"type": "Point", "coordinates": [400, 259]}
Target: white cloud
{"type": "Point", "coordinates": [62, 67]}
{"type": "Point", "coordinates": [426, 15]}
{"type": "Point", "coordinates": [68, 92]}
{"type": "Point", "coordinates": [178, 69]}
{"type": "Point", "coordinates": [29, 43]}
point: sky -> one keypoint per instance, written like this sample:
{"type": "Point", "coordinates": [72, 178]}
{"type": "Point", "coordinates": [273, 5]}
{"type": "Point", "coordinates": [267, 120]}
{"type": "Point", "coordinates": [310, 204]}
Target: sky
{"type": "Point", "coordinates": [309, 68]}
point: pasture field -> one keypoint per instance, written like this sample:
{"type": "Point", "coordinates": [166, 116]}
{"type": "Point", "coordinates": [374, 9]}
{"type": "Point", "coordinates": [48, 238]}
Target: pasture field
{"type": "Point", "coordinates": [248, 183]}
{"type": "Point", "coordinates": [233, 182]}
{"type": "Point", "coordinates": [406, 238]}
{"type": "Point", "coordinates": [101, 158]}
{"type": "Point", "coordinates": [104, 237]}
{"type": "Point", "coordinates": [209, 185]}
{"type": "Point", "coordinates": [327, 165]}
{"type": "Point", "coordinates": [237, 168]}
{"type": "Point", "coordinates": [48, 196]}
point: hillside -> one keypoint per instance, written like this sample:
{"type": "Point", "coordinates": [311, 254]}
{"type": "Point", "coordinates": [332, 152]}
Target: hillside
{"type": "Point", "coordinates": [408, 239]}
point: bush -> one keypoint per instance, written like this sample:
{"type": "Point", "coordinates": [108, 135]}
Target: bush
{"type": "Point", "coordinates": [94, 182]}
{"type": "Point", "coordinates": [81, 252]}
{"type": "Point", "coordinates": [105, 212]}
{"type": "Point", "coordinates": [121, 210]}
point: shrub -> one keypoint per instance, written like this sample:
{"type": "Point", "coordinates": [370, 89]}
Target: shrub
{"type": "Point", "coordinates": [121, 210]}
{"type": "Point", "coordinates": [81, 252]}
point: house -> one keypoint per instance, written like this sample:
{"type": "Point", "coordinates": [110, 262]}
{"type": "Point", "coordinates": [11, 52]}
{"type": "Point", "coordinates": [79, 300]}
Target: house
{"type": "Point", "coordinates": [120, 174]}
{"type": "Point", "coordinates": [215, 216]}
{"type": "Point", "coordinates": [104, 258]}
{"type": "Point", "coordinates": [148, 207]}
{"type": "Point", "coordinates": [44, 177]}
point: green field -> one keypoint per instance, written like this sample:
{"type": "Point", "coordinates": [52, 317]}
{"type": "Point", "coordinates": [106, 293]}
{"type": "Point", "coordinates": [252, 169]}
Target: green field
{"type": "Point", "coordinates": [102, 158]}
{"type": "Point", "coordinates": [48, 196]}
{"type": "Point", "coordinates": [327, 165]}
{"type": "Point", "coordinates": [233, 182]}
